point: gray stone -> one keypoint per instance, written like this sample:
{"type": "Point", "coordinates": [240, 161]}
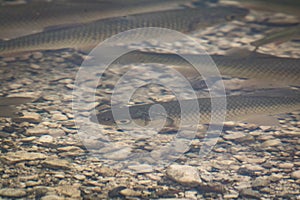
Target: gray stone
{"type": "Point", "coordinates": [119, 154]}
{"type": "Point", "coordinates": [260, 182]}
{"type": "Point", "coordinates": [184, 174]}
{"type": "Point", "coordinates": [249, 193]}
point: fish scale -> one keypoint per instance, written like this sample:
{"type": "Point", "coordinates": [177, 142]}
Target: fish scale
{"type": "Point", "coordinates": [258, 66]}
{"type": "Point", "coordinates": [236, 108]}
{"type": "Point", "coordinates": [33, 17]}
{"type": "Point", "coordinates": [90, 34]}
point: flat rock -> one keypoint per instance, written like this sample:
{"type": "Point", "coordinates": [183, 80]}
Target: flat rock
{"type": "Point", "coordinates": [56, 164]}
{"type": "Point", "coordinates": [12, 192]}
{"type": "Point", "coordinates": [234, 136]}
{"type": "Point", "coordinates": [46, 139]}
{"type": "Point", "coordinates": [106, 171]}
{"type": "Point", "coordinates": [286, 165]}
{"type": "Point", "coordinates": [120, 154]}
{"type": "Point", "coordinates": [32, 95]}
{"type": "Point", "coordinates": [80, 177]}
{"type": "Point", "coordinates": [271, 143]}
{"type": "Point", "coordinates": [142, 168]}
{"type": "Point", "coordinates": [238, 136]}
{"type": "Point", "coordinates": [37, 131]}
{"type": "Point", "coordinates": [59, 117]}
{"type": "Point", "coordinates": [19, 156]}
{"type": "Point", "coordinates": [129, 192]}
{"type": "Point", "coordinates": [28, 117]}
{"type": "Point", "coordinates": [69, 190]}
{"type": "Point", "coordinates": [249, 193]}
{"type": "Point", "coordinates": [69, 148]}
{"type": "Point", "coordinates": [261, 182]}
{"type": "Point", "coordinates": [52, 197]}
{"type": "Point", "coordinates": [184, 174]}
{"type": "Point", "coordinates": [245, 158]}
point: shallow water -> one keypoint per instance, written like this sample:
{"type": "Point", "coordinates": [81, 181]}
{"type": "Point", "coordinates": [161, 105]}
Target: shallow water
{"type": "Point", "coordinates": [43, 156]}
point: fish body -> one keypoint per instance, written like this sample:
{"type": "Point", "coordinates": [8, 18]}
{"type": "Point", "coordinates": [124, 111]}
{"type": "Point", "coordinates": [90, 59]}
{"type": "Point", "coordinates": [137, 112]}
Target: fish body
{"type": "Point", "coordinates": [24, 19]}
{"type": "Point", "coordinates": [7, 105]}
{"type": "Point", "coordinates": [90, 34]}
{"type": "Point", "coordinates": [279, 36]}
{"type": "Point", "coordinates": [285, 71]}
{"type": "Point", "coordinates": [290, 7]}
{"type": "Point", "coordinates": [237, 107]}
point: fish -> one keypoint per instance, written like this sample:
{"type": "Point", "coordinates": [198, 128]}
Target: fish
{"type": "Point", "coordinates": [37, 16]}
{"type": "Point", "coordinates": [238, 107]}
{"type": "Point", "coordinates": [266, 69]}
{"type": "Point", "coordinates": [8, 105]}
{"type": "Point", "coordinates": [90, 34]}
{"type": "Point", "coordinates": [278, 36]}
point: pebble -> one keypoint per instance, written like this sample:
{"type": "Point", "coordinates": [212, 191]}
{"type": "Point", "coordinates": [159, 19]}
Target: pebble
{"type": "Point", "coordinates": [286, 165]}
{"type": "Point", "coordinates": [296, 174]}
{"type": "Point", "coordinates": [249, 193]}
{"type": "Point", "coordinates": [12, 192]}
{"type": "Point", "coordinates": [34, 66]}
{"type": "Point", "coordinates": [46, 139]}
{"type": "Point", "coordinates": [56, 132]}
{"type": "Point", "coordinates": [271, 143]}
{"type": "Point", "coordinates": [80, 177]}
{"type": "Point", "coordinates": [276, 177]}
{"type": "Point", "coordinates": [106, 171]}
{"type": "Point", "coordinates": [142, 168]}
{"type": "Point", "coordinates": [238, 136]}
{"type": "Point", "coordinates": [265, 128]}
{"type": "Point", "coordinates": [28, 117]}
{"type": "Point", "coordinates": [59, 117]}
{"type": "Point", "coordinates": [119, 154]}
{"type": "Point", "coordinates": [234, 135]}
{"type": "Point", "coordinates": [37, 55]}
{"type": "Point", "coordinates": [15, 86]}
{"type": "Point", "coordinates": [59, 175]}
{"type": "Point", "coordinates": [52, 197]}
{"type": "Point", "coordinates": [247, 159]}
{"type": "Point", "coordinates": [37, 131]}
{"type": "Point", "coordinates": [69, 190]}
{"type": "Point", "coordinates": [184, 174]}
{"type": "Point", "coordinates": [57, 164]}
{"type": "Point", "coordinates": [130, 193]}
{"type": "Point", "coordinates": [231, 195]}
{"type": "Point", "coordinates": [261, 182]}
